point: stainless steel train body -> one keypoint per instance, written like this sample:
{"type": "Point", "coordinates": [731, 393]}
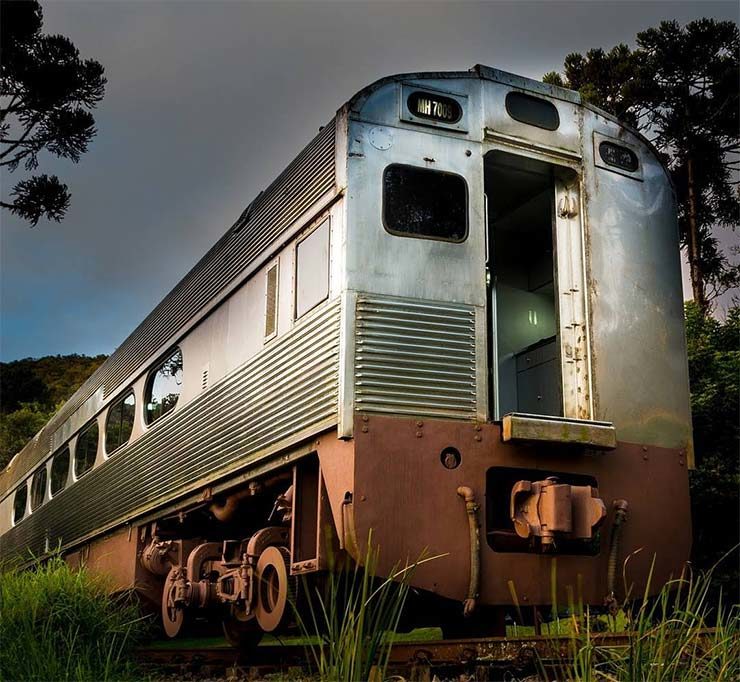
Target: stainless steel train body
{"type": "Point", "coordinates": [467, 281]}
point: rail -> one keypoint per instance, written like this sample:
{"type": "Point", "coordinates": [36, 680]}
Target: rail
{"type": "Point", "coordinates": [411, 660]}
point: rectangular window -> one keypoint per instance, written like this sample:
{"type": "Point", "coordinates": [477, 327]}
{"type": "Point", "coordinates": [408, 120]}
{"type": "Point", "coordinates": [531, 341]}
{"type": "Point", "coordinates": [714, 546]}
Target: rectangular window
{"type": "Point", "coordinates": [312, 270]}
{"type": "Point", "coordinates": [271, 302]}
{"type": "Point", "coordinates": [424, 203]}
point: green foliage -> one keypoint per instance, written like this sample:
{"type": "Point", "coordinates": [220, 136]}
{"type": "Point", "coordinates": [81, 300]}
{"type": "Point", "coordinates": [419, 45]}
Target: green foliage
{"type": "Point", "coordinates": [682, 635]}
{"type": "Point", "coordinates": [31, 390]}
{"type": "Point", "coordinates": [54, 379]}
{"type": "Point", "coordinates": [680, 88]}
{"type": "Point", "coordinates": [605, 79]}
{"type": "Point", "coordinates": [47, 93]}
{"type": "Point", "coordinates": [61, 624]}
{"type": "Point", "coordinates": [17, 427]}
{"type": "Point", "coordinates": [352, 623]}
{"type": "Point", "coordinates": [714, 372]}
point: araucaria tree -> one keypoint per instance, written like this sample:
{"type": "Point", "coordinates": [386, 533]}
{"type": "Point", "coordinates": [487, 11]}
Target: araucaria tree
{"type": "Point", "coordinates": [46, 96]}
{"type": "Point", "coordinates": [680, 88]}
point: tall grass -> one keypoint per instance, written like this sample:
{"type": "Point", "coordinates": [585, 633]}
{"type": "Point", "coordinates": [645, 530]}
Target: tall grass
{"type": "Point", "coordinates": [677, 636]}
{"type": "Point", "coordinates": [57, 623]}
{"type": "Point", "coordinates": [350, 625]}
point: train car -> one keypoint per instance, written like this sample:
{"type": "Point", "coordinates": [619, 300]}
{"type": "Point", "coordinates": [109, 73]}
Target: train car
{"type": "Point", "coordinates": [455, 319]}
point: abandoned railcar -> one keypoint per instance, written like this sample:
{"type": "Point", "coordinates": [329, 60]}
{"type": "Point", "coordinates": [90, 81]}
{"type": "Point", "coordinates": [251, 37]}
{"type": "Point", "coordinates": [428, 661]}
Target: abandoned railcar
{"type": "Point", "coordinates": [455, 316]}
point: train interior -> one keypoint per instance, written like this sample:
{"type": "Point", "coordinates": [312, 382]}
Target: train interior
{"type": "Point", "coordinates": [524, 358]}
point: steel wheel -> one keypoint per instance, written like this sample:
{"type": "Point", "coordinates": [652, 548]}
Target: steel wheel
{"type": "Point", "coordinates": [242, 634]}
{"type": "Point", "coordinates": [173, 616]}
{"type": "Point", "coordinates": [273, 588]}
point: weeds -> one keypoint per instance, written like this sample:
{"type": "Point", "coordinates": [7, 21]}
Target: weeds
{"type": "Point", "coordinates": [57, 623]}
{"type": "Point", "coordinates": [677, 636]}
{"type": "Point", "coordinates": [352, 622]}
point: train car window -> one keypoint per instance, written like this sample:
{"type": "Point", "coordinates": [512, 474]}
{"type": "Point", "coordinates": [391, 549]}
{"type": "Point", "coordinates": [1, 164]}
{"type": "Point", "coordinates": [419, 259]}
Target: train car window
{"type": "Point", "coordinates": [86, 450]}
{"type": "Point", "coordinates": [38, 488]}
{"type": "Point", "coordinates": [271, 301]}
{"type": "Point", "coordinates": [59, 470]}
{"type": "Point", "coordinates": [424, 203]}
{"type": "Point", "coordinates": [19, 503]}
{"type": "Point", "coordinates": [533, 111]}
{"type": "Point", "coordinates": [312, 270]}
{"type": "Point", "coordinates": [163, 387]}
{"type": "Point", "coordinates": [119, 423]}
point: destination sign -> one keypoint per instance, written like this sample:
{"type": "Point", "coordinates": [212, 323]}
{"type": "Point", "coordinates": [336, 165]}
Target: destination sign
{"type": "Point", "coordinates": [434, 107]}
{"type": "Point", "coordinates": [618, 156]}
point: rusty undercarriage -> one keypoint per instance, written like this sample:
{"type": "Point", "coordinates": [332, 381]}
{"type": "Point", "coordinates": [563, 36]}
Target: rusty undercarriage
{"type": "Point", "coordinates": [506, 518]}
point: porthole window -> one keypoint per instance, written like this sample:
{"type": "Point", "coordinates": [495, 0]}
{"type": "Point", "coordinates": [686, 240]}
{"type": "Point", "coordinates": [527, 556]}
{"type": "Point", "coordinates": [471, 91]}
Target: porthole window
{"type": "Point", "coordinates": [163, 387]}
{"type": "Point", "coordinates": [430, 204]}
{"type": "Point", "coordinates": [86, 450]}
{"type": "Point", "coordinates": [59, 470]}
{"type": "Point", "coordinates": [533, 111]}
{"type": "Point", "coordinates": [119, 423]}
{"type": "Point", "coordinates": [38, 488]}
{"type": "Point", "coordinates": [312, 270]}
{"type": "Point", "coordinates": [19, 503]}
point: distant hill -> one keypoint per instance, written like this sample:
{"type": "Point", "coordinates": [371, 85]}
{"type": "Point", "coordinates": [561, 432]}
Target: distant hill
{"type": "Point", "coordinates": [32, 389]}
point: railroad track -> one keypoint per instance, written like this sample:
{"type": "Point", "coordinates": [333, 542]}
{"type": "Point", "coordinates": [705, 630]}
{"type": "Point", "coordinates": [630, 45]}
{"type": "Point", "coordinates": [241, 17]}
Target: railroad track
{"type": "Point", "coordinates": [482, 659]}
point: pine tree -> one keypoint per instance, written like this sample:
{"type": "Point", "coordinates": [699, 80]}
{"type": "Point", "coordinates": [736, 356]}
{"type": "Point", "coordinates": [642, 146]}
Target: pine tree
{"type": "Point", "coordinates": [46, 94]}
{"type": "Point", "coordinates": [680, 88]}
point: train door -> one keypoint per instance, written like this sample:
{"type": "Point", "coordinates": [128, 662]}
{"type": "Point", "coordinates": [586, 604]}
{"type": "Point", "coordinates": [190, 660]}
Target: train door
{"type": "Point", "coordinates": [537, 349]}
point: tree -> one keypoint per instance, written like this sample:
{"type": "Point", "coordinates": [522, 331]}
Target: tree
{"type": "Point", "coordinates": [680, 88]}
{"type": "Point", "coordinates": [18, 427]}
{"type": "Point", "coordinates": [46, 94]}
{"type": "Point", "coordinates": [20, 384]}
{"type": "Point", "coordinates": [32, 390]}
{"type": "Point", "coordinates": [714, 372]}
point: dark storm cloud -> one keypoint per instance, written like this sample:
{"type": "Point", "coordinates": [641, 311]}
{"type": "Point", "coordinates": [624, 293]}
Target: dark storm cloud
{"type": "Point", "coordinates": [207, 101]}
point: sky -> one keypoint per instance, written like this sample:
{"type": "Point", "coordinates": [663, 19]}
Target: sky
{"type": "Point", "coordinates": [208, 101]}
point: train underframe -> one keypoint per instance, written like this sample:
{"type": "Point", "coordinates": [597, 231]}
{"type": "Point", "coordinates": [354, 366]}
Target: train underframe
{"type": "Point", "coordinates": [513, 526]}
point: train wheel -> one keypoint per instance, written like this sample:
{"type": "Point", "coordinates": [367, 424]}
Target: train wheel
{"type": "Point", "coordinates": [173, 615]}
{"type": "Point", "coordinates": [242, 631]}
{"type": "Point", "coordinates": [273, 588]}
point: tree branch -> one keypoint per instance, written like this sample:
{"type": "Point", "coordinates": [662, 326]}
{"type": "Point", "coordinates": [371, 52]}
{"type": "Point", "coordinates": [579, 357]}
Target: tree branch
{"type": "Point", "coordinates": [22, 139]}
{"type": "Point", "coordinates": [17, 158]}
{"type": "Point", "coordinates": [9, 109]}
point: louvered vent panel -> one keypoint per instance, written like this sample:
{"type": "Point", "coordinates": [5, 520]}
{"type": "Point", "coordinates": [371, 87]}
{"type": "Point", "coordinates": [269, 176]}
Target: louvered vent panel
{"type": "Point", "coordinates": [415, 357]}
{"type": "Point", "coordinates": [271, 301]}
{"type": "Point", "coordinates": [303, 182]}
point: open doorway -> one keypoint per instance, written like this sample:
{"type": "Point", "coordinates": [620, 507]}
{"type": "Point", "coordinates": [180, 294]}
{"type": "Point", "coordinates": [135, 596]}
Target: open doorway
{"type": "Point", "coordinates": [524, 349]}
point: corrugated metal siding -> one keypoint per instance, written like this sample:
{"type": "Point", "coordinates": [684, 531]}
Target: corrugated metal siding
{"type": "Point", "coordinates": [285, 389]}
{"type": "Point", "coordinates": [291, 195]}
{"type": "Point", "coordinates": [305, 180]}
{"type": "Point", "coordinates": [415, 357]}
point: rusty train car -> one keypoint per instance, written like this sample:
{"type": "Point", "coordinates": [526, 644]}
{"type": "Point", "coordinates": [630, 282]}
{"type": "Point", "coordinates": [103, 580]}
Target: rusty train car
{"type": "Point", "coordinates": [454, 319]}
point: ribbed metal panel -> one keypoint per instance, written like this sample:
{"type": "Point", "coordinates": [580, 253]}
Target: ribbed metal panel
{"type": "Point", "coordinates": [284, 201]}
{"type": "Point", "coordinates": [286, 389]}
{"type": "Point", "coordinates": [415, 357]}
{"type": "Point", "coordinates": [305, 180]}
